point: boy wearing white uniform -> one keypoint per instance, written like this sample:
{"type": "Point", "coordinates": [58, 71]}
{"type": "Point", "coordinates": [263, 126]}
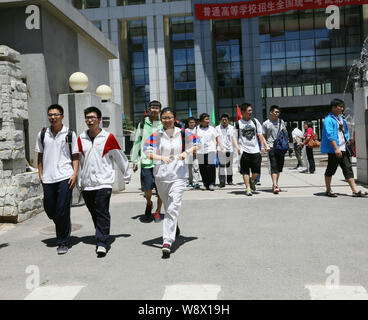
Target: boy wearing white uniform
{"type": "Point", "coordinates": [58, 169]}
{"type": "Point", "coordinates": [167, 148]}
{"type": "Point", "coordinates": [226, 133]}
{"type": "Point", "coordinates": [209, 138]}
{"type": "Point", "coordinates": [192, 159]}
{"type": "Point", "coordinates": [249, 131]}
{"type": "Point", "coordinates": [99, 149]}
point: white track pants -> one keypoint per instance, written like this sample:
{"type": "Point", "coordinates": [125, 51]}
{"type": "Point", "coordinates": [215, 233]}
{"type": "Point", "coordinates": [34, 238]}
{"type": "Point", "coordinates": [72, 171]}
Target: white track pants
{"type": "Point", "coordinates": [171, 194]}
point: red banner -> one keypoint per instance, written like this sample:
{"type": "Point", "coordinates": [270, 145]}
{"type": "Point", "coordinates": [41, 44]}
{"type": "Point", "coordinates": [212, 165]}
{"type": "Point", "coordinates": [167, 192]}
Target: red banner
{"type": "Point", "coordinates": [250, 9]}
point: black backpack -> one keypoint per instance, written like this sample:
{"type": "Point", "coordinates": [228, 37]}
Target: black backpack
{"type": "Point", "coordinates": [68, 140]}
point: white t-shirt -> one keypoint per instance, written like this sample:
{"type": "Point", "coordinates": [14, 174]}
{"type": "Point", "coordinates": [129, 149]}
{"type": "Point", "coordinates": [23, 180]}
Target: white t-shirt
{"type": "Point", "coordinates": [340, 134]}
{"type": "Point", "coordinates": [296, 133]}
{"type": "Point", "coordinates": [248, 141]}
{"type": "Point", "coordinates": [226, 136]}
{"type": "Point", "coordinates": [56, 161]}
{"type": "Point", "coordinates": [207, 137]}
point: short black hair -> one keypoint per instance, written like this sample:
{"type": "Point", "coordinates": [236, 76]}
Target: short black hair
{"type": "Point", "coordinates": [309, 124]}
{"type": "Point", "coordinates": [56, 106]}
{"type": "Point", "coordinates": [93, 109]}
{"type": "Point", "coordinates": [272, 109]}
{"type": "Point", "coordinates": [167, 109]}
{"type": "Point", "coordinates": [203, 115]}
{"type": "Point", "coordinates": [336, 102]}
{"type": "Point", "coordinates": [192, 118]}
{"type": "Point", "coordinates": [294, 125]}
{"type": "Point", "coordinates": [154, 103]}
{"type": "Point", "coordinates": [245, 106]}
{"type": "Point", "coordinates": [225, 115]}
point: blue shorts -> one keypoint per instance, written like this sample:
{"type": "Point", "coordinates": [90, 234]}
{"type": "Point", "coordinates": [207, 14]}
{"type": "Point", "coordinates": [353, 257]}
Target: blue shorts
{"type": "Point", "coordinates": [147, 179]}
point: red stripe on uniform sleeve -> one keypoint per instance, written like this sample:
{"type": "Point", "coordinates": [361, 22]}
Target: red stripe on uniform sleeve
{"type": "Point", "coordinates": [80, 147]}
{"type": "Point", "coordinates": [111, 144]}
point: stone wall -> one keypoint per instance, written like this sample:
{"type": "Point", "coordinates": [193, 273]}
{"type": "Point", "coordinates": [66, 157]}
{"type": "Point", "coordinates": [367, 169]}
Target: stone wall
{"type": "Point", "coordinates": [20, 191]}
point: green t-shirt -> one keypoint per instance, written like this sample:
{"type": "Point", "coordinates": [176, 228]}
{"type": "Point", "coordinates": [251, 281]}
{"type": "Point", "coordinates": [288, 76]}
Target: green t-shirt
{"type": "Point", "coordinates": [142, 134]}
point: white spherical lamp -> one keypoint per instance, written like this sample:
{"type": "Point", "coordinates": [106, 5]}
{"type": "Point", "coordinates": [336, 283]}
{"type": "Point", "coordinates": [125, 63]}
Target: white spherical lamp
{"type": "Point", "coordinates": [104, 92]}
{"type": "Point", "coordinates": [78, 81]}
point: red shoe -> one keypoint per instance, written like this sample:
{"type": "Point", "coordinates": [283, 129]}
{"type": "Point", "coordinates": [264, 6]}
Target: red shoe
{"type": "Point", "coordinates": [156, 216]}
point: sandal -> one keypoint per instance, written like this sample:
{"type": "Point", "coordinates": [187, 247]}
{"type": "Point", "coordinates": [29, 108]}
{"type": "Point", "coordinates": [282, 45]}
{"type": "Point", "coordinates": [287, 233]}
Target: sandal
{"type": "Point", "coordinates": [360, 194]}
{"type": "Point", "coordinates": [330, 194]}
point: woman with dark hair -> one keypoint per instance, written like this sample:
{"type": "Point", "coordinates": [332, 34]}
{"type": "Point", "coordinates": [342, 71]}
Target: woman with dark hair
{"type": "Point", "coordinates": [167, 148]}
{"type": "Point", "coordinates": [308, 135]}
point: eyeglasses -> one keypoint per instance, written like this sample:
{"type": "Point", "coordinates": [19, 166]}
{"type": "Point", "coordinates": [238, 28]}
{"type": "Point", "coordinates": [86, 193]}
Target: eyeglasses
{"type": "Point", "coordinates": [50, 115]}
{"type": "Point", "coordinates": [90, 118]}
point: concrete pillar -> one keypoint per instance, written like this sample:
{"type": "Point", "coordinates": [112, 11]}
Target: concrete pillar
{"type": "Point", "coordinates": [157, 60]}
{"type": "Point", "coordinates": [251, 65]}
{"type": "Point", "coordinates": [361, 132]}
{"type": "Point", "coordinates": [204, 66]}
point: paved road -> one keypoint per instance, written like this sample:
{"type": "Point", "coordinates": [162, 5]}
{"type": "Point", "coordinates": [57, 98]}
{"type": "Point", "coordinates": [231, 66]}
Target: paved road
{"type": "Point", "coordinates": [286, 246]}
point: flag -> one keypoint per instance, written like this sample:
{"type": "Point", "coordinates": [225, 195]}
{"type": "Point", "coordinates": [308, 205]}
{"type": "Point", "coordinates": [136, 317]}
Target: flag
{"type": "Point", "coordinates": [190, 113]}
{"type": "Point", "coordinates": [213, 120]}
{"type": "Point", "coordinates": [145, 113]}
{"type": "Point", "coordinates": [238, 113]}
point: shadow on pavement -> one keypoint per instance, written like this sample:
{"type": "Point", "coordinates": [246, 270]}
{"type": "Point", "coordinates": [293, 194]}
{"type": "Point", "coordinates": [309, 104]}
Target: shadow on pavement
{"type": "Point", "coordinates": [323, 194]}
{"type": "Point", "coordinates": [143, 218]}
{"type": "Point", "coordinates": [73, 240]}
{"type": "Point", "coordinates": [157, 242]}
{"type": "Point", "coordinates": [4, 245]}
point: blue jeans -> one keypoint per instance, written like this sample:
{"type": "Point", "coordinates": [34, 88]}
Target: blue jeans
{"type": "Point", "coordinates": [57, 201]}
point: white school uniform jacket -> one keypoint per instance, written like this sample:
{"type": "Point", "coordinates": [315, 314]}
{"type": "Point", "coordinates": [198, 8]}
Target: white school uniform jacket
{"type": "Point", "coordinates": [97, 161]}
{"type": "Point", "coordinates": [160, 144]}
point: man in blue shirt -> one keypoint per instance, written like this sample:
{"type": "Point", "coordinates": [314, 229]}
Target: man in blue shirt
{"type": "Point", "coordinates": [335, 136]}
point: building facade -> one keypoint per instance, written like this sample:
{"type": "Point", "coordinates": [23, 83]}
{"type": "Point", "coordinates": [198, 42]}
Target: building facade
{"type": "Point", "coordinates": [290, 59]}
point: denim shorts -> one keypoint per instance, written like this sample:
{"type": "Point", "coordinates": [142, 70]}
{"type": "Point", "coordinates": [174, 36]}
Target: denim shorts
{"type": "Point", "coordinates": [147, 179]}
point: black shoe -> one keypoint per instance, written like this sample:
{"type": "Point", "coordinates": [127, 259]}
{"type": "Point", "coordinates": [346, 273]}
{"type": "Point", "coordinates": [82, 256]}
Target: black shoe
{"type": "Point", "coordinates": [230, 183]}
{"type": "Point", "coordinates": [330, 194]}
{"type": "Point", "coordinates": [148, 211]}
{"type": "Point", "coordinates": [166, 250]}
{"type": "Point", "coordinates": [177, 232]}
{"type": "Point", "coordinates": [222, 184]}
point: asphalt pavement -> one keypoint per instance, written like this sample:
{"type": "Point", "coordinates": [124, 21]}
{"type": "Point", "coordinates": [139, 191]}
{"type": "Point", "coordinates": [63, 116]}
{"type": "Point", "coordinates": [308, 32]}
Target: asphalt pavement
{"type": "Point", "coordinates": [298, 244]}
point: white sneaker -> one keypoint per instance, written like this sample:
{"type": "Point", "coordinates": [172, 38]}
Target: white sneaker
{"type": "Point", "coordinates": [101, 251]}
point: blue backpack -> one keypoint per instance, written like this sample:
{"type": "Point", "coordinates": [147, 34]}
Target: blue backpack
{"type": "Point", "coordinates": [281, 144]}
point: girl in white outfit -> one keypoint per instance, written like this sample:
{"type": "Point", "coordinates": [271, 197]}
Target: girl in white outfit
{"type": "Point", "coordinates": [167, 147]}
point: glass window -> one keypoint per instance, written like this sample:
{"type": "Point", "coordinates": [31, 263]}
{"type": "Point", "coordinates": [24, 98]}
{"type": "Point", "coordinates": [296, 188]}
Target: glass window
{"type": "Point", "coordinates": [306, 25]}
{"type": "Point", "coordinates": [292, 26]}
{"type": "Point", "coordinates": [265, 67]}
{"type": "Point", "coordinates": [92, 3]}
{"type": "Point", "coordinates": [293, 64]}
{"type": "Point", "coordinates": [179, 56]}
{"type": "Point", "coordinates": [323, 62]}
{"type": "Point", "coordinates": [308, 64]}
{"type": "Point", "coordinates": [292, 48]}
{"type": "Point", "coordinates": [265, 50]}
{"type": "Point", "coordinates": [277, 27]}
{"type": "Point", "coordinates": [338, 60]}
{"type": "Point", "coordinates": [322, 46]}
{"type": "Point", "coordinates": [278, 49]}
{"type": "Point", "coordinates": [278, 65]}
{"type": "Point", "coordinates": [353, 44]}
{"type": "Point", "coordinates": [307, 47]}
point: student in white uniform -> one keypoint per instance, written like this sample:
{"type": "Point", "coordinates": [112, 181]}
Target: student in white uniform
{"type": "Point", "coordinates": [226, 134]}
{"type": "Point", "coordinates": [206, 154]}
{"type": "Point", "coordinates": [58, 170]}
{"type": "Point", "coordinates": [167, 148]}
{"type": "Point", "coordinates": [192, 159]}
{"type": "Point", "coordinates": [99, 150]}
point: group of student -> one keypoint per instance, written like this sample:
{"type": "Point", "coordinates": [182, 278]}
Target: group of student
{"type": "Point", "coordinates": [168, 154]}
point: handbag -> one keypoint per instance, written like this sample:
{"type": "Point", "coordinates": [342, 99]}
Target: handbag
{"type": "Point", "coordinates": [314, 143]}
